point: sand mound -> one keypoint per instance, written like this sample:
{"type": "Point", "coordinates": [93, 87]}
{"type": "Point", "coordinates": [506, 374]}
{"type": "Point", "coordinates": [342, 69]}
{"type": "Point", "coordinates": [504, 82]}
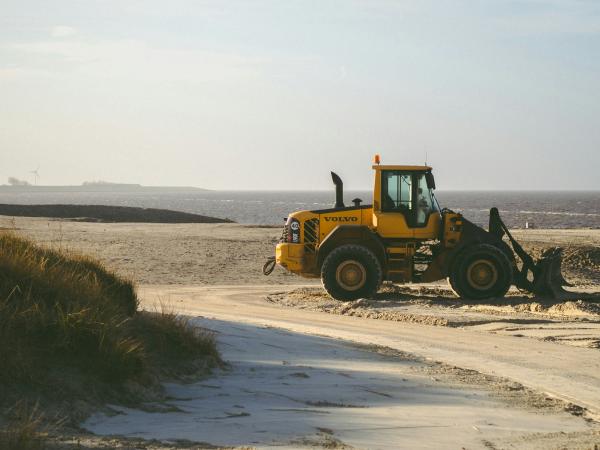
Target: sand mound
{"type": "Point", "coordinates": [435, 305]}
{"type": "Point", "coordinates": [574, 322]}
{"type": "Point", "coordinates": [580, 263]}
{"type": "Point", "coordinates": [317, 299]}
{"type": "Point", "coordinates": [583, 262]}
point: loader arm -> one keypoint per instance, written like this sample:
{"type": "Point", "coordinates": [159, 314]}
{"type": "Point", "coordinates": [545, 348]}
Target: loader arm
{"type": "Point", "coordinates": [498, 228]}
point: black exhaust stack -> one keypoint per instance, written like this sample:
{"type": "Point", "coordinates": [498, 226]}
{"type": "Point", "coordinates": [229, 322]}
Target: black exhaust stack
{"type": "Point", "coordinates": [339, 190]}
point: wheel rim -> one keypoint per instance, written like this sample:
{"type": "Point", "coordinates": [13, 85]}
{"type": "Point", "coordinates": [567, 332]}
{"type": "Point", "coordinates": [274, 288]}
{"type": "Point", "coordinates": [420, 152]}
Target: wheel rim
{"type": "Point", "coordinates": [351, 275]}
{"type": "Point", "coordinates": [482, 274]}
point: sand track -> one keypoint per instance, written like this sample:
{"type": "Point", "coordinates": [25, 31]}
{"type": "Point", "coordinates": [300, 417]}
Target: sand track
{"type": "Point", "coordinates": [285, 389]}
{"type": "Point", "coordinates": [544, 366]}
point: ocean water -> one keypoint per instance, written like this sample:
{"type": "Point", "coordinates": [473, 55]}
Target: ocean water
{"type": "Point", "coordinates": [551, 209]}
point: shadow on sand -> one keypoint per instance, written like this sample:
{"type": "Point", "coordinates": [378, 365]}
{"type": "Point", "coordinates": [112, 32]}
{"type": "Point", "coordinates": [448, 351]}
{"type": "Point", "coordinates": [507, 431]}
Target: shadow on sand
{"type": "Point", "coordinates": [286, 388]}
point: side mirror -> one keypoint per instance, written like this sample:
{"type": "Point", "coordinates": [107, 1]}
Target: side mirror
{"type": "Point", "coordinates": [430, 180]}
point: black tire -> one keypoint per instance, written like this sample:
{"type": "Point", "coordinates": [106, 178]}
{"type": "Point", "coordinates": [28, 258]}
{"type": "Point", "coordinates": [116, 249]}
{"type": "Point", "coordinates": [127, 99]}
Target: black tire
{"type": "Point", "coordinates": [481, 271]}
{"type": "Point", "coordinates": [350, 272]}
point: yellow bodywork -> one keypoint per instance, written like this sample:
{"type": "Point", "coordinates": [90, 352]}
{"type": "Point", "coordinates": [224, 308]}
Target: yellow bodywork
{"type": "Point", "coordinates": [330, 220]}
{"type": "Point", "coordinates": [290, 256]}
{"type": "Point", "coordinates": [452, 229]}
{"type": "Point", "coordinates": [294, 257]}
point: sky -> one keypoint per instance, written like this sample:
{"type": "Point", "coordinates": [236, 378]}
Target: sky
{"type": "Point", "coordinates": [273, 94]}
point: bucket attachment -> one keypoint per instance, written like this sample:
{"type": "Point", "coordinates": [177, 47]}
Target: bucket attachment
{"type": "Point", "coordinates": [547, 274]}
{"type": "Point", "coordinates": [544, 277]}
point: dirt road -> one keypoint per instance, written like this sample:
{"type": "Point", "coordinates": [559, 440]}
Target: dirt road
{"type": "Point", "coordinates": [286, 390]}
{"type": "Point", "coordinates": [569, 373]}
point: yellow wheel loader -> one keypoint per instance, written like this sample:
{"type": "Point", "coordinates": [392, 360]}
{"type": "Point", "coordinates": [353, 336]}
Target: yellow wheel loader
{"type": "Point", "coordinates": [404, 236]}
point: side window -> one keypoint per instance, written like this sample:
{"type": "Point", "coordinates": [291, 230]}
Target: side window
{"type": "Point", "coordinates": [424, 201]}
{"type": "Point", "coordinates": [396, 192]}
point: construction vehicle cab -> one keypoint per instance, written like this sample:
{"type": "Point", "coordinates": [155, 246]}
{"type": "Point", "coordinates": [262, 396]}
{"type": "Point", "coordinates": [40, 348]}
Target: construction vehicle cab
{"type": "Point", "coordinates": [404, 205]}
{"type": "Point", "coordinates": [404, 236]}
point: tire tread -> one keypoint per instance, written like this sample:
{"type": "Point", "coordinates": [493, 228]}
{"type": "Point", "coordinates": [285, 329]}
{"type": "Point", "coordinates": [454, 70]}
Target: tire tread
{"type": "Point", "coordinates": [351, 251]}
{"type": "Point", "coordinates": [457, 277]}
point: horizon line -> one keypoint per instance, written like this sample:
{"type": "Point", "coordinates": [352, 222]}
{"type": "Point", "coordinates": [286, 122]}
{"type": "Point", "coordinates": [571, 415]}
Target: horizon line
{"type": "Point", "coordinates": [117, 185]}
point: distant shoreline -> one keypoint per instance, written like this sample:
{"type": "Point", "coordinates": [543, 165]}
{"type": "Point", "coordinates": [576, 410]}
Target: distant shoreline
{"type": "Point", "coordinates": [544, 210]}
{"type": "Point", "coordinates": [107, 214]}
{"type": "Point", "coordinates": [109, 187]}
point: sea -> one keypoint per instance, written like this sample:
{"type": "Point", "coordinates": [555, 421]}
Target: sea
{"type": "Point", "coordinates": [537, 209]}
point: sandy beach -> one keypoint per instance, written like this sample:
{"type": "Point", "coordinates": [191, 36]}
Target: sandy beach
{"type": "Point", "coordinates": [413, 368]}
{"type": "Point", "coordinates": [166, 253]}
{"type": "Point", "coordinates": [226, 253]}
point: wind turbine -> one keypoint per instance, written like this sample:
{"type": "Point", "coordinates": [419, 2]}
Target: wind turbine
{"type": "Point", "coordinates": [36, 174]}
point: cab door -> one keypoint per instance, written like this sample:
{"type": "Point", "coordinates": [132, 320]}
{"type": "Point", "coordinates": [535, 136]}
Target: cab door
{"type": "Point", "coordinates": [394, 211]}
{"type": "Point", "coordinates": [427, 217]}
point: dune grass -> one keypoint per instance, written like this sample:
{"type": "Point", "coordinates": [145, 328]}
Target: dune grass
{"type": "Point", "coordinates": [69, 308]}
{"type": "Point", "coordinates": [70, 328]}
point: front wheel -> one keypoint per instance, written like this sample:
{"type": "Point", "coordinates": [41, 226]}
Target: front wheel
{"type": "Point", "coordinates": [350, 272]}
{"type": "Point", "coordinates": [481, 271]}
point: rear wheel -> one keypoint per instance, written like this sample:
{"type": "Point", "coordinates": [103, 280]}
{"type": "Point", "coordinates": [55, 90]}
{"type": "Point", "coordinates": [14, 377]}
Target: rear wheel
{"type": "Point", "coordinates": [350, 272]}
{"type": "Point", "coordinates": [481, 271]}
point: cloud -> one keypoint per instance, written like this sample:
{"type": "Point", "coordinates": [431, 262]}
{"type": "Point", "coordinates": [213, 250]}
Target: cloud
{"type": "Point", "coordinates": [62, 31]}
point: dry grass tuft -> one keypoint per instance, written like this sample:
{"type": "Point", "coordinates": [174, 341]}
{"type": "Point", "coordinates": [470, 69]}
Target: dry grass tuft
{"type": "Point", "coordinates": [27, 428]}
{"type": "Point", "coordinates": [175, 345]}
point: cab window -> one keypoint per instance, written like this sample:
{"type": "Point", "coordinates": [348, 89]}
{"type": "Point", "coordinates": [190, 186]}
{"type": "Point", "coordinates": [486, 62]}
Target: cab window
{"type": "Point", "coordinates": [396, 192]}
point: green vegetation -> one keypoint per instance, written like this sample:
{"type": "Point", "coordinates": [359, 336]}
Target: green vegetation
{"type": "Point", "coordinates": [70, 330]}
